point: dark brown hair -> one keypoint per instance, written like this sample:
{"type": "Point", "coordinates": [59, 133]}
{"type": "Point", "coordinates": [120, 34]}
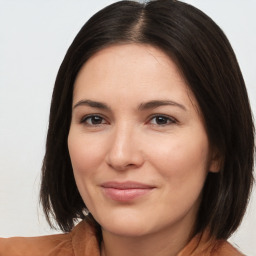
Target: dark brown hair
{"type": "Point", "coordinates": [204, 56]}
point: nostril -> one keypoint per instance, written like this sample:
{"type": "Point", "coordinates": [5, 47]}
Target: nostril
{"type": "Point", "coordinates": [122, 164]}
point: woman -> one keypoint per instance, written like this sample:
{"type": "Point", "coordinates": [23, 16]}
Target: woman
{"type": "Point", "coordinates": [146, 138]}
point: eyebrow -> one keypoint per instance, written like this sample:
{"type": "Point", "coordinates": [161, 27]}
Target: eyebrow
{"type": "Point", "coordinates": [158, 103]}
{"type": "Point", "coordinates": [143, 106]}
{"type": "Point", "coordinates": [91, 103]}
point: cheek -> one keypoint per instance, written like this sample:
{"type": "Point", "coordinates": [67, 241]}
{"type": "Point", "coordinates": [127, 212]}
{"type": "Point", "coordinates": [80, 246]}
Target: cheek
{"type": "Point", "coordinates": [181, 159]}
{"type": "Point", "coordinates": [183, 167]}
{"type": "Point", "coordinates": [85, 154]}
{"type": "Point", "coordinates": [85, 157]}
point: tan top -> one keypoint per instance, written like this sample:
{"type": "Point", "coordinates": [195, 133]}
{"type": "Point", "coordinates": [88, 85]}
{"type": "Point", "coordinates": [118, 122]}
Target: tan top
{"type": "Point", "coordinates": [81, 241]}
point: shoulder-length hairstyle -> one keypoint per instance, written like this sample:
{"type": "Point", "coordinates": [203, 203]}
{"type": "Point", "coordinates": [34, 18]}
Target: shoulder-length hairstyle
{"type": "Point", "coordinates": [208, 64]}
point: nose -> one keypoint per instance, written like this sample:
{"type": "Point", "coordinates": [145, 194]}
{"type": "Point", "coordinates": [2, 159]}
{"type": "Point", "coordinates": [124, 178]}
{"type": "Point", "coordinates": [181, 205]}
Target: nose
{"type": "Point", "coordinates": [124, 149]}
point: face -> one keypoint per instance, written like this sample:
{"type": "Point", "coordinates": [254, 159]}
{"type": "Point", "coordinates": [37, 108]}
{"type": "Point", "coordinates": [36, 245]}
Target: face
{"type": "Point", "coordinates": [137, 142]}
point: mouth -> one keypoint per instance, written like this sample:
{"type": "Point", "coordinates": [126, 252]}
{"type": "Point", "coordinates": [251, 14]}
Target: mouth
{"type": "Point", "coordinates": [125, 191]}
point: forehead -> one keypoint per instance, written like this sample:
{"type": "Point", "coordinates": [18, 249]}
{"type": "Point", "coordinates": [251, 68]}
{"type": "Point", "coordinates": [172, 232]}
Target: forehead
{"type": "Point", "coordinates": [118, 70]}
{"type": "Point", "coordinates": [129, 61]}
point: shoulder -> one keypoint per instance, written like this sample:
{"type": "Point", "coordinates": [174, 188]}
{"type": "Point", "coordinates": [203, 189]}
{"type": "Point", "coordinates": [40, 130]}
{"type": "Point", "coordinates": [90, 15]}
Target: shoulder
{"type": "Point", "coordinates": [44, 245]}
{"type": "Point", "coordinates": [225, 248]}
{"type": "Point", "coordinates": [203, 245]}
{"type": "Point", "coordinates": [81, 238]}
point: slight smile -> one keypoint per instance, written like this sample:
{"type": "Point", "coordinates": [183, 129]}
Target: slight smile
{"type": "Point", "coordinates": [125, 191]}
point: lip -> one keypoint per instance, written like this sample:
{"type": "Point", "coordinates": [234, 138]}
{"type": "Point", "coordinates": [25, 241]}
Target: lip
{"type": "Point", "coordinates": [125, 191]}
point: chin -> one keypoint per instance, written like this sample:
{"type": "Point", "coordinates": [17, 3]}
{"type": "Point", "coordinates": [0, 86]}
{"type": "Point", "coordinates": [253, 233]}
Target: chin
{"type": "Point", "coordinates": [125, 226]}
{"type": "Point", "coordinates": [126, 230]}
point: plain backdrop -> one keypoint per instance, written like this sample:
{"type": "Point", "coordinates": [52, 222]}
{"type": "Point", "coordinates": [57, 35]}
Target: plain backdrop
{"type": "Point", "coordinates": [34, 37]}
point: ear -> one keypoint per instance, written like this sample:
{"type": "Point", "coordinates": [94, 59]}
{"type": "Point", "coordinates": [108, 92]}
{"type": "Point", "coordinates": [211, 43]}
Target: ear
{"type": "Point", "coordinates": [216, 162]}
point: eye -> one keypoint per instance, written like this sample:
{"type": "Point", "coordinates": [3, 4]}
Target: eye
{"type": "Point", "coordinates": [161, 120]}
{"type": "Point", "coordinates": [92, 120]}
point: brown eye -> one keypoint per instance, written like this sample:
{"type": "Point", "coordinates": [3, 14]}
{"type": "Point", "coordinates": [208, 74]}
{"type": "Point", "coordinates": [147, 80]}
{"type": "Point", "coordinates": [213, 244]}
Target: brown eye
{"type": "Point", "coordinates": [93, 120]}
{"type": "Point", "coordinates": [161, 120]}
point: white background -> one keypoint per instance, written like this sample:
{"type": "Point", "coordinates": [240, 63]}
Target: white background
{"type": "Point", "coordinates": [34, 36]}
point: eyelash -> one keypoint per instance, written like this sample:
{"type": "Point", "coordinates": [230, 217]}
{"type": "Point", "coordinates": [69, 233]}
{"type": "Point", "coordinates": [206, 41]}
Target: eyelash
{"type": "Point", "coordinates": [85, 119]}
{"type": "Point", "coordinates": [168, 120]}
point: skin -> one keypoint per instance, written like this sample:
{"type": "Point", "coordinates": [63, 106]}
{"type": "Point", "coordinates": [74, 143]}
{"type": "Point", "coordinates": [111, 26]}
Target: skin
{"type": "Point", "coordinates": [161, 144]}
